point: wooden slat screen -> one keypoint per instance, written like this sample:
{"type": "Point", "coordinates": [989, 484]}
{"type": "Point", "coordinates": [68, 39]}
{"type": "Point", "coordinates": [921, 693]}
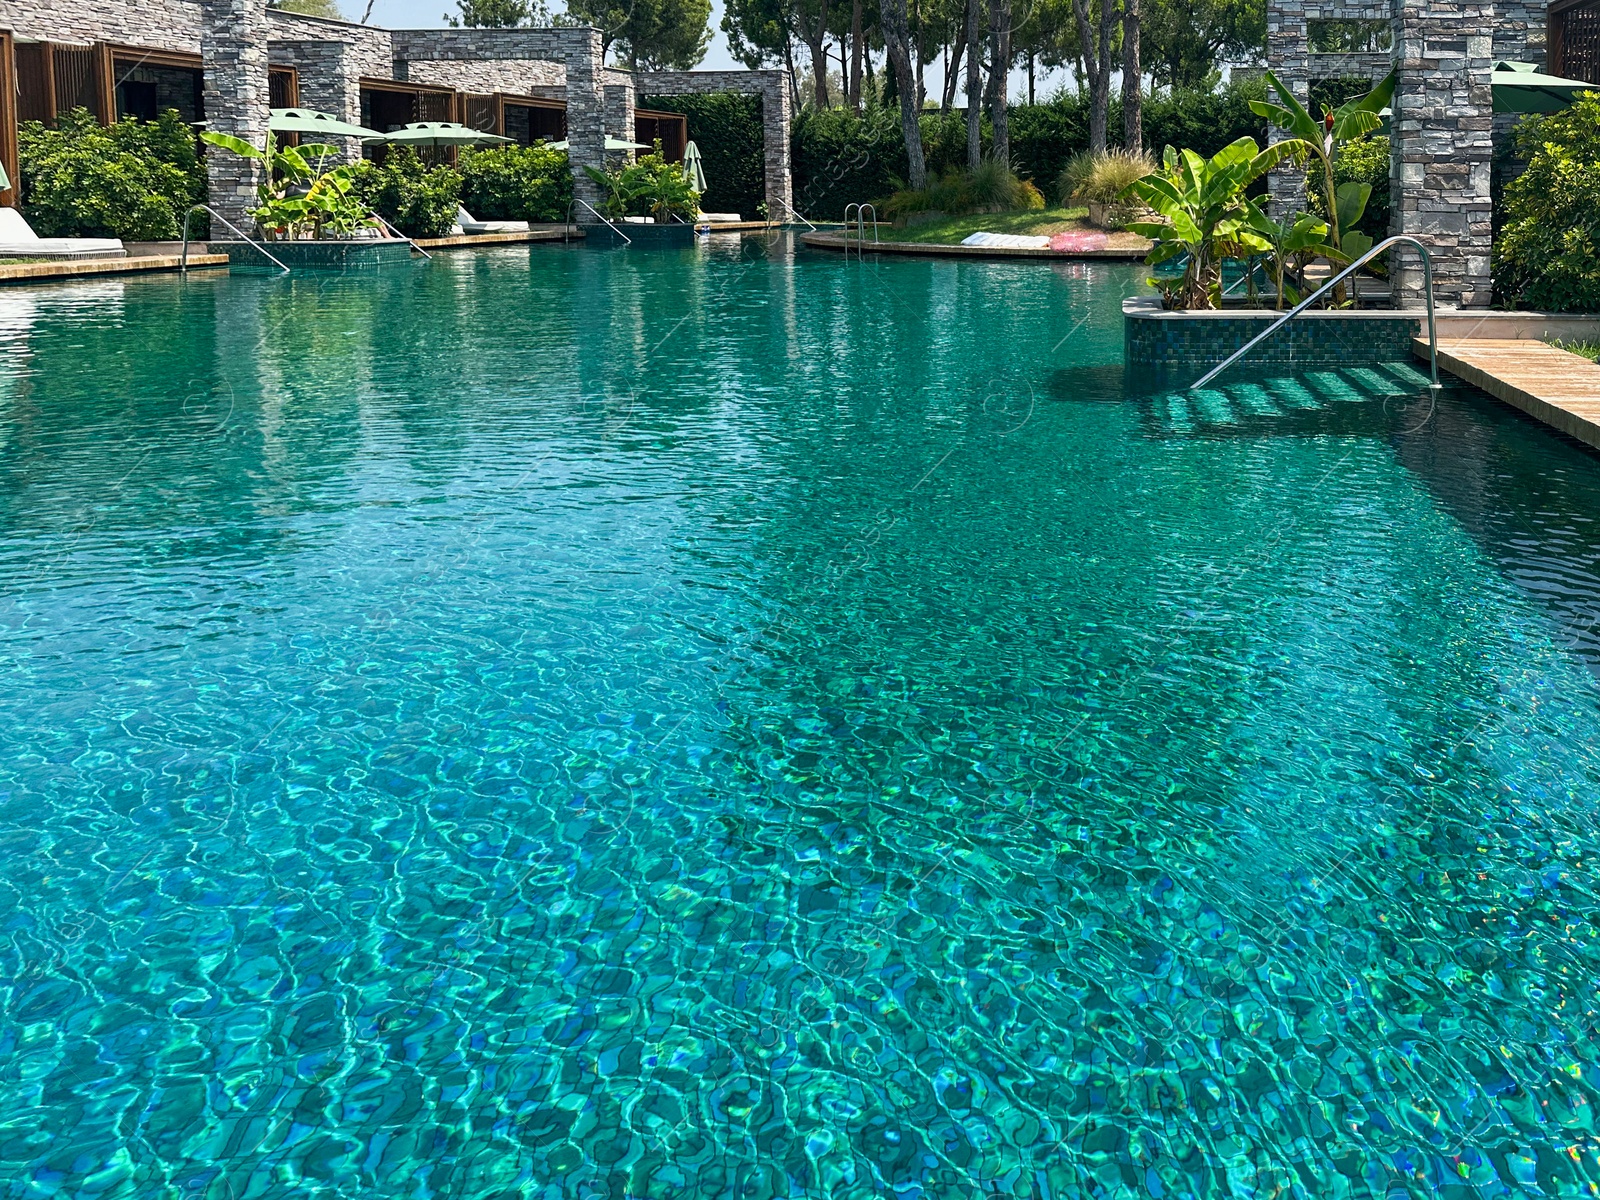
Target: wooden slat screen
{"type": "Point", "coordinates": [435, 106]}
{"type": "Point", "coordinates": [283, 87]}
{"type": "Point", "coordinates": [482, 112]}
{"type": "Point", "coordinates": [1574, 40]}
{"type": "Point", "coordinates": [76, 79]}
{"type": "Point", "coordinates": [36, 89]}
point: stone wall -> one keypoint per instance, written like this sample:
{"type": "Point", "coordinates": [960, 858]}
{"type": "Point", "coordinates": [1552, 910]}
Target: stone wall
{"type": "Point", "coordinates": [772, 87]}
{"type": "Point", "coordinates": [578, 50]}
{"type": "Point", "coordinates": [154, 24]}
{"type": "Point", "coordinates": [1444, 147]}
{"type": "Point", "coordinates": [515, 76]}
{"type": "Point", "coordinates": [233, 49]}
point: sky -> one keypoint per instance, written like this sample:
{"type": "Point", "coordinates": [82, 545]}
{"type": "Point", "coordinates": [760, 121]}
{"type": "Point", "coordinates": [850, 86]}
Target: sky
{"type": "Point", "coordinates": [429, 14]}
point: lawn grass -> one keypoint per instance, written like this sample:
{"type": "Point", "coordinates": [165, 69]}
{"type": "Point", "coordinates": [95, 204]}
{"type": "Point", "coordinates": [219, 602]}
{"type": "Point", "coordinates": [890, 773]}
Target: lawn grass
{"type": "Point", "coordinates": [948, 231]}
{"type": "Point", "coordinates": [1589, 350]}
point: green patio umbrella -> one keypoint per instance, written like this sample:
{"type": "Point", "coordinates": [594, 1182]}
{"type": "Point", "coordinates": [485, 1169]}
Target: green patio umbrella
{"type": "Point", "coordinates": [693, 169]}
{"type": "Point", "coordinates": [611, 144]}
{"type": "Point", "coordinates": [439, 133]}
{"type": "Point", "coordinates": [317, 124]}
{"type": "Point", "coordinates": [1518, 88]}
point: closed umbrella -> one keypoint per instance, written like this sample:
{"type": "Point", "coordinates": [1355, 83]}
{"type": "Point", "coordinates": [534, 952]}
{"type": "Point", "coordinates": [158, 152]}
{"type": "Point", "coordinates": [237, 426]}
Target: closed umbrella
{"type": "Point", "coordinates": [1518, 88]}
{"type": "Point", "coordinates": [318, 124]}
{"type": "Point", "coordinates": [439, 133]}
{"type": "Point", "coordinates": [693, 171]}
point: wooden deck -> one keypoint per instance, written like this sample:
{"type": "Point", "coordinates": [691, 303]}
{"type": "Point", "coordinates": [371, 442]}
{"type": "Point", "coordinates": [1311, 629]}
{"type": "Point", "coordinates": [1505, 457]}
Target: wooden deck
{"type": "Point", "coordinates": [1554, 386]}
{"type": "Point", "coordinates": [77, 268]}
{"type": "Point", "coordinates": [538, 233]}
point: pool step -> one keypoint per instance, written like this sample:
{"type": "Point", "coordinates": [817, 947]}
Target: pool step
{"type": "Point", "coordinates": [1280, 404]}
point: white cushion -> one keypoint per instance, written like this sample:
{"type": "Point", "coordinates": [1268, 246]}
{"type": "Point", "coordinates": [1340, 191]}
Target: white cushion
{"type": "Point", "coordinates": [64, 248]}
{"type": "Point", "coordinates": [13, 228]}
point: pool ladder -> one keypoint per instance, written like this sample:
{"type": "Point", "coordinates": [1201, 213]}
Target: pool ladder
{"type": "Point", "coordinates": [1427, 287]}
{"type": "Point", "coordinates": [573, 208]}
{"type": "Point", "coordinates": [861, 211]}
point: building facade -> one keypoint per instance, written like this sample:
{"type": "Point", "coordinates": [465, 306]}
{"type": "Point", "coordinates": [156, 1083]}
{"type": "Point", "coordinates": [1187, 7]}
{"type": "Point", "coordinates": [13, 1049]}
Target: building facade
{"type": "Point", "coordinates": [226, 63]}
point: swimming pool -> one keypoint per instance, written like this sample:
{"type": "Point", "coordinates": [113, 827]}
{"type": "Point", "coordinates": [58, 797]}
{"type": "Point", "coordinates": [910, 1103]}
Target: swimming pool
{"type": "Point", "coordinates": [732, 723]}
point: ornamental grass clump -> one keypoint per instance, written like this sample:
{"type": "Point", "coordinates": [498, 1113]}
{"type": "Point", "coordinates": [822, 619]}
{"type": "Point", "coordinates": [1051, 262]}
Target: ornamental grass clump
{"type": "Point", "coordinates": [1548, 253]}
{"type": "Point", "coordinates": [1090, 178]}
{"type": "Point", "coordinates": [992, 187]}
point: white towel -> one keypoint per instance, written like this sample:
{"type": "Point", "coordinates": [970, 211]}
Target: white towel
{"type": "Point", "coordinates": [1008, 241]}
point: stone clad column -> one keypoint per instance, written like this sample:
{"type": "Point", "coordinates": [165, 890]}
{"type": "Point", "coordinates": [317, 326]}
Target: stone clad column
{"type": "Point", "coordinates": [620, 103]}
{"type": "Point", "coordinates": [775, 138]}
{"type": "Point", "coordinates": [1443, 148]}
{"type": "Point", "coordinates": [586, 116]}
{"type": "Point", "coordinates": [233, 48]}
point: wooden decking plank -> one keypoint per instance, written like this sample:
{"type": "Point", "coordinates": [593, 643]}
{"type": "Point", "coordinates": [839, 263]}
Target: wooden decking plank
{"type": "Point", "coordinates": [1552, 385]}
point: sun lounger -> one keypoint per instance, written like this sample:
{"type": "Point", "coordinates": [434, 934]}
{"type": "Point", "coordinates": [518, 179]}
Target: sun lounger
{"type": "Point", "coordinates": [470, 225]}
{"type": "Point", "coordinates": [18, 240]}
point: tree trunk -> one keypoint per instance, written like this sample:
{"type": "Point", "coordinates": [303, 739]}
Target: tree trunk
{"type": "Point", "coordinates": [1096, 68]}
{"type": "Point", "coordinates": [819, 73]}
{"type": "Point", "coordinates": [1030, 77]}
{"type": "Point", "coordinates": [897, 37]}
{"type": "Point", "coordinates": [916, 47]}
{"type": "Point", "coordinates": [999, 72]}
{"type": "Point", "coordinates": [794, 76]}
{"type": "Point", "coordinates": [1132, 112]}
{"type": "Point", "coordinates": [952, 76]}
{"type": "Point", "coordinates": [855, 56]}
{"type": "Point", "coordinates": [974, 85]}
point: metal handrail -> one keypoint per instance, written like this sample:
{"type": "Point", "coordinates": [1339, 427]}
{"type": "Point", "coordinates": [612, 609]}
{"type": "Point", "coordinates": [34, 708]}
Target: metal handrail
{"type": "Point", "coordinates": [380, 218]}
{"type": "Point", "coordinates": [861, 211]}
{"type": "Point", "coordinates": [183, 261]}
{"type": "Point", "coordinates": [604, 219]}
{"type": "Point", "coordinates": [1427, 284]}
{"type": "Point", "coordinates": [794, 212]}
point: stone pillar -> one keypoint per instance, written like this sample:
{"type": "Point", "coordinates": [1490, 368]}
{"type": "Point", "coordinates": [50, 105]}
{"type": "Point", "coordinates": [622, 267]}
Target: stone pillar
{"type": "Point", "coordinates": [233, 49]}
{"type": "Point", "coordinates": [586, 117]}
{"type": "Point", "coordinates": [1443, 149]}
{"type": "Point", "coordinates": [329, 82]}
{"type": "Point", "coordinates": [1289, 58]}
{"type": "Point", "coordinates": [620, 103]}
{"type": "Point", "coordinates": [775, 140]}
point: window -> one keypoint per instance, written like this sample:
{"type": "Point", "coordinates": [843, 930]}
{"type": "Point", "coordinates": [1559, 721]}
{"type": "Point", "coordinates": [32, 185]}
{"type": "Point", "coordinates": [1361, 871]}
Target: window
{"type": "Point", "coordinates": [1350, 37]}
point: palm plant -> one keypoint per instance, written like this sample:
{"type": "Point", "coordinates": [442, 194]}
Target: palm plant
{"type": "Point", "coordinates": [1202, 212]}
{"type": "Point", "coordinates": [1292, 244]}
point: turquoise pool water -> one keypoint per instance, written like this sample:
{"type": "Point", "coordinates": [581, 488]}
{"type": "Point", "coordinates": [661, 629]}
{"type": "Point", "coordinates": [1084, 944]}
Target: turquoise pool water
{"type": "Point", "coordinates": [564, 723]}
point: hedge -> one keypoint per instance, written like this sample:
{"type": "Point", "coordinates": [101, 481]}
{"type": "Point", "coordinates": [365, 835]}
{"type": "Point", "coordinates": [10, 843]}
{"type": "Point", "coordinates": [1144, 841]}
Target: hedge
{"type": "Point", "coordinates": [839, 157]}
{"type": "Point", "coordinates": [726, 127]}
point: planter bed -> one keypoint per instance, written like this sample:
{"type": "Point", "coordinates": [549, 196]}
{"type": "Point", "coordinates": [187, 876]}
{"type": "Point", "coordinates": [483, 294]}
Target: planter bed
{"type": "Point", "coordinates": [318, 256]}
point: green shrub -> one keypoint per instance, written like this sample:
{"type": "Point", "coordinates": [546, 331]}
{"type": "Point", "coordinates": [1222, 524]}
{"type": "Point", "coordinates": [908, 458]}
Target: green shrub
{"type": "Point", "coordinates": [726, 128]}
{"type": "Point", "coordinates": [993, 187]}
{"type": "Point", "coordinates": [417, 200]}
{"type": "Point", "coordinates": [1548, 253]}
{"type": "Point", "coordinates": [132, 180]}
{"type": "Point", "coordinates": [516, 183]}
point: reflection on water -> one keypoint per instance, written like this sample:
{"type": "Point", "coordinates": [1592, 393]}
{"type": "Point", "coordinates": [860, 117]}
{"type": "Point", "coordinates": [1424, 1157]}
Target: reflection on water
{"type": "Point", "coordinates": [730, 722]}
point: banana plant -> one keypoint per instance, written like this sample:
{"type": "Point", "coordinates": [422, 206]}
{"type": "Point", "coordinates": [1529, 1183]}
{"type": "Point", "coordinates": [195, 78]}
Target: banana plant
{"type": "Point", "coordinates": [320, 203]}
{"type": "Point", "coordinates": [1293, 244]}
{"type": "Point", "coordinates": [1310, 138]}
{"type": "Point", "coordinates": [1202, 212]}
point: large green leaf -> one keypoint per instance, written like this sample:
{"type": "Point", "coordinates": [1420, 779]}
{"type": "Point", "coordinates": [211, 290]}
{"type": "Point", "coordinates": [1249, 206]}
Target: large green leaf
{"type": "Point", "coordinates": [227, 141]}
{"type": "Point", "coordinates": [1351, 202]}
{"type": "Point", "coordinates": [1288, 115]}
{"type": "Point", "coordinates": [1361, 116]}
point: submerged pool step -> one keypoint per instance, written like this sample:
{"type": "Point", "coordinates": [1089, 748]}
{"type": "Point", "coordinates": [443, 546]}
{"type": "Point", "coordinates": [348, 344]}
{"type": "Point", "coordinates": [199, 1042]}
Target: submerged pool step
{"type": "Point", "coordinates": [1262, 405]}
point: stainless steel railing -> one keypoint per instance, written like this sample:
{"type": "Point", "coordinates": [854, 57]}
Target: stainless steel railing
{"type": "Point", "coordinates": [183, 260]}
{"type": "Point", "coordinates": [793, 212]}
{"type": "Point", "coordinates": [604, 219]}
{"type": "Point", "coordinates": [1427, 285]}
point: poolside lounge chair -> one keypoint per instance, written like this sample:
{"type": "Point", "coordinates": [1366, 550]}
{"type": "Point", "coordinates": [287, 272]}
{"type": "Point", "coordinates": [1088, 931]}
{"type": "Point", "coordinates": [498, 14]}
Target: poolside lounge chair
{"type": "Point", "coordinates": [18, 240]}
{"type": "Point", "coordinates": [469, 224]}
